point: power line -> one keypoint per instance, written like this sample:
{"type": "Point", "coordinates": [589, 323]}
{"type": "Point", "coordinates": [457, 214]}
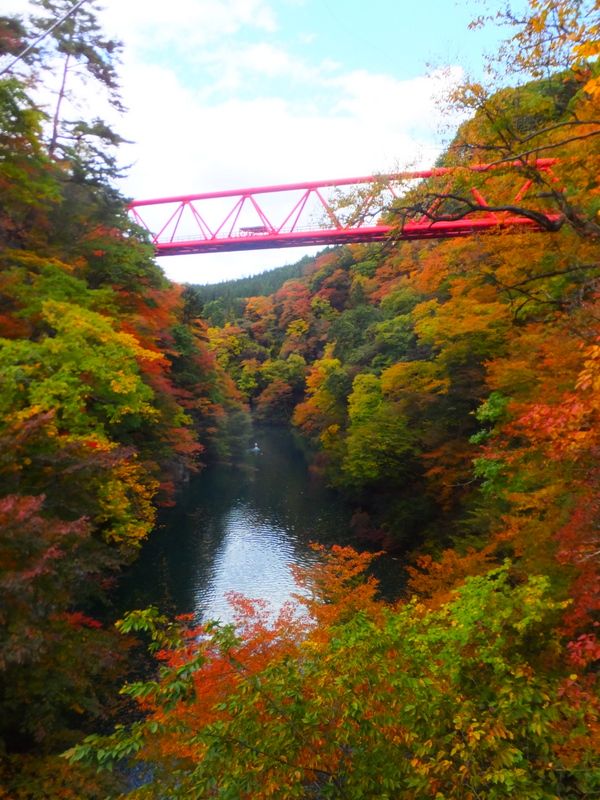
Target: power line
{"type": "Point", "coordinates": [42, 36]}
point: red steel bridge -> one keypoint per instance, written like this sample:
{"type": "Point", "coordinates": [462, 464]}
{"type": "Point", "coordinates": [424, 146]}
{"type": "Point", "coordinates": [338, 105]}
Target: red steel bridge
{"type": "Point", "coordinates": [319, 213]}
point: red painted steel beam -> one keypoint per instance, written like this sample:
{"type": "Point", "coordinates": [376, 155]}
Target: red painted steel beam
{"type": "Point", "coordinates": [324, 238]}
{"type": "Point", "coordinates": [229, 234]}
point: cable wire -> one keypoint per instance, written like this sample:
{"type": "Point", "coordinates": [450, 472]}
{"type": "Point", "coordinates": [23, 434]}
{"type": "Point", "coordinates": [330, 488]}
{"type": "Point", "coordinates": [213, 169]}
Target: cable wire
{"type": "Point", "coordinates": [42, 36]}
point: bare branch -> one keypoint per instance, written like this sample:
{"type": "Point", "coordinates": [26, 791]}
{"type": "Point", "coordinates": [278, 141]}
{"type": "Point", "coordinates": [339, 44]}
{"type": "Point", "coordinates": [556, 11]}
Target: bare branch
{"type": "Point", "coordinates": [423, 209]}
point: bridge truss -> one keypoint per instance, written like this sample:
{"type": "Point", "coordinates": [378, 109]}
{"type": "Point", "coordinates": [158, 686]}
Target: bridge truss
{"type": "Point", "coordinates": [338, 211]}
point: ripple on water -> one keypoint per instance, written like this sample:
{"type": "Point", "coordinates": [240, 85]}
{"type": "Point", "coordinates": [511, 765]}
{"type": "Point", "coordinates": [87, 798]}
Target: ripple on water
{"type": "Point", "coordinates": [238, 530]}
{"type": "Point", "coordinates": [254, 558]}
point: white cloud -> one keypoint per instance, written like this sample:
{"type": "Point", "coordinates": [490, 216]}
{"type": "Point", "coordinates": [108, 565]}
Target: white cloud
{"type": "Point", "coordinates": [217, 101]}
{"type": "Point", "coordinates": [181, 25]}
{"type": "Point", "coordinates": [185, 143]}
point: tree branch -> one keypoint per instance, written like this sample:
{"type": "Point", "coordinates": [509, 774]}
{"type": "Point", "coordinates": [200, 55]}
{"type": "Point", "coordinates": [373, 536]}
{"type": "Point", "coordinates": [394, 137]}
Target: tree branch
{"type": "Point", "coordinates": [423, 209]}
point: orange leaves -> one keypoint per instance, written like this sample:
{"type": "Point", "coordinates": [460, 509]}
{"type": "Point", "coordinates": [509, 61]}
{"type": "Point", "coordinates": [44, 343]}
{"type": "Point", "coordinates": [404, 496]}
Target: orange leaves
{"type": "Point", "coordinates": [448, 469]}
{"type": "Point", "coordinates": [366, 700]}
{"type": "Point", "coordinates": [557, 33]}
{"type": "Point", "coordinates": [208, 671]}
{"type": "Point", "coordinates": [257, 308]}
{"type": "Point", "coordinates": [469, 325]}
{"type": "Point", "coordinates": [564, 422]}
{"type": "Point", "coordinates": [106, 380]}
{"type": "Point", "coordinates": [261, 313]}
{"type": "Point", "coordinates": [437, 580]}
{"type": "Point", "coordinates": [292, 302]}
{"type": "Point", "coordinates": [541, 362]}
{"type": "Point", "coordinates": [549, 443]}
{"type": "Point", "coordinates": [205, 667]}
{"type": "Point", "coordinates": [322, 407]}
{"type": "Point", "coordinates": [566, 429]}
{"type": "Point", "coordinates": [337, 587]}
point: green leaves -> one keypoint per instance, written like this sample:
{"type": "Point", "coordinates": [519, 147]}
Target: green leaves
{"type": "Point", "coordinates": [84, 371]}
{"type": "Point", "coordinates": [399, 702]}
{"type": "Point", "coordinates": [378, 443]}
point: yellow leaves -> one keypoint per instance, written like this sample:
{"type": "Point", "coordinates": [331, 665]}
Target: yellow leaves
{"type": "Point", "coordinates": [297, 329]}
{"type": "Point", "coordinates": [86, 373]}
{"type": "Point", "coordinates": [413, 377]}
{"type": "Point", "coordinates": [589, 377]}
{"type": "Point", "coordinates": [125, 499]}
{"type": "Point", "coordinates": [542, 362]}
{"type": "Point", "coordinates": [122, 383]}
{"type": "Point", "coordinates": [475, 733]}
{"type": "Point", "coordinates": [592, 86]}
{"type": "Point", "coordinates": [558, 34]}
{"type": "Point", "coordinates": [539, 23]}
{"type": "Point", "coordinates": [142, 353]}
{"type": "Point", "coordinates": [587, 50]}
{"type": "Point", "coordinates": [470, 311]}
{"type": "Point", "coordinates": [66, 317]}
{"type": "Point", "coordinates": [28, 413]}
{"type": "Point", "coordinates": [31, 261]}
{"type": "Point", "coordinates": [259, 307]}
{"type": "Point", "coordinates": [330, 435]}
{"type": "Point", "coordinates": [228, 340]}
{"type": "Point", "coordinates": [322, 408]}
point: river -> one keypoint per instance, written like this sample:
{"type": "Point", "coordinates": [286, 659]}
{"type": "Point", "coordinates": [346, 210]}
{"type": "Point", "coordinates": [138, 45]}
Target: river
{"type": "Point", "coordinates": [239, 529]}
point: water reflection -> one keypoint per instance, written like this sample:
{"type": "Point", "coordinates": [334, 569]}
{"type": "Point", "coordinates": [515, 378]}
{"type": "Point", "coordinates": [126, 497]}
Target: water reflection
{"type": "Point", "coordinates": [253, 558]}
{"type": "Point", "coordinates": [237, 530]}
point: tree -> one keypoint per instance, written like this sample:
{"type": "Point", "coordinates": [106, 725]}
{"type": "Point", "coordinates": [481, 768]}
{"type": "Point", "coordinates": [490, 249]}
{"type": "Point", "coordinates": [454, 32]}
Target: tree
{"type": "Point", "coordinates": [361, 700]}
{"type": "Point", "coordinates": [29, 188]}
{"type": "Point", "coordinates": [323, 409]}
{"type": "Point", "coordinates": [107, 385]}
{"type": "Point", "coordinates": [552, 52]}
{"type": "Point", "coordinates": [78, 42]}
{"type": "Point", "coordinates": [378, 444]}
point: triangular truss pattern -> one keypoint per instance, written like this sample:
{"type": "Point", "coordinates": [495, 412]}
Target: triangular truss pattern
{"type": "Point", "coordinates": [331, 212]}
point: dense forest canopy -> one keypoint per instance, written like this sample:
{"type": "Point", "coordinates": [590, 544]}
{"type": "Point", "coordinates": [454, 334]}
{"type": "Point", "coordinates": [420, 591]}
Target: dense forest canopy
{"type": "Point", "coordinates": [109, 395]}
{"type": "Point", "coordinates": [266, 282]}
{"type": "Point", "coordinates": [448, 389]}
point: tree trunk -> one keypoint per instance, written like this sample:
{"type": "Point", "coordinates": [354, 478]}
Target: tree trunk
{"type": "Point", "coordinates": [56, 117]}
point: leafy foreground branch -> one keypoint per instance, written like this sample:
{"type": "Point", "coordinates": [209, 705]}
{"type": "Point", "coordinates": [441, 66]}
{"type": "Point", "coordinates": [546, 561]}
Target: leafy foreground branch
{"type": "Point", "coordinates": [476, 698]}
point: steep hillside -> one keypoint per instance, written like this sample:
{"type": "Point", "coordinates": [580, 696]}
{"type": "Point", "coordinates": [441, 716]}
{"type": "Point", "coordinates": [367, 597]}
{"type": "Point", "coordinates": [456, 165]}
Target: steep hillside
{"type": "Point", "coordinates": [446, 387]}
{"type": "Point", "coordinates": [109, 397]}
{"type": "Point", "coordinates": [450, 389]}
{"type": "Point", "coordinates": [265, 282]}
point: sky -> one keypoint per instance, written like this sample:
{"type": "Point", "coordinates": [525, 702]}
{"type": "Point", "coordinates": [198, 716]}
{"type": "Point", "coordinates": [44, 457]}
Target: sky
{"type": "Point", "coordinates": [224, 94]}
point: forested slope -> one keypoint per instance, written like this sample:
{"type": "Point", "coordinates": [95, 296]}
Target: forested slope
{"type": "Point", "coordinates": [433, 380]}
{"type": "Point", "coordinates": [450, 389]}
{"type": "Point", "coordinates": [223, 299]}
{"type": "Point", "coordinates": [109, 396]}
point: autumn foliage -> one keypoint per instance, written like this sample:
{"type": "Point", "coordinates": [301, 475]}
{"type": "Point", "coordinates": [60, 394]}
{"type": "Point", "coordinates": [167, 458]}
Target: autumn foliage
{"type": "Point", "coordinates": [358, 699]}
{"type": "Point", "coordinates": [448, 389]}
{"type": "Point", "coordinates": [109, 395]}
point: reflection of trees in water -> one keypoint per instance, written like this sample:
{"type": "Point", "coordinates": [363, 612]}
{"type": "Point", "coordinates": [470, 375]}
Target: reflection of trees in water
{"type": "Point", "coordinates": [270, 489]}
